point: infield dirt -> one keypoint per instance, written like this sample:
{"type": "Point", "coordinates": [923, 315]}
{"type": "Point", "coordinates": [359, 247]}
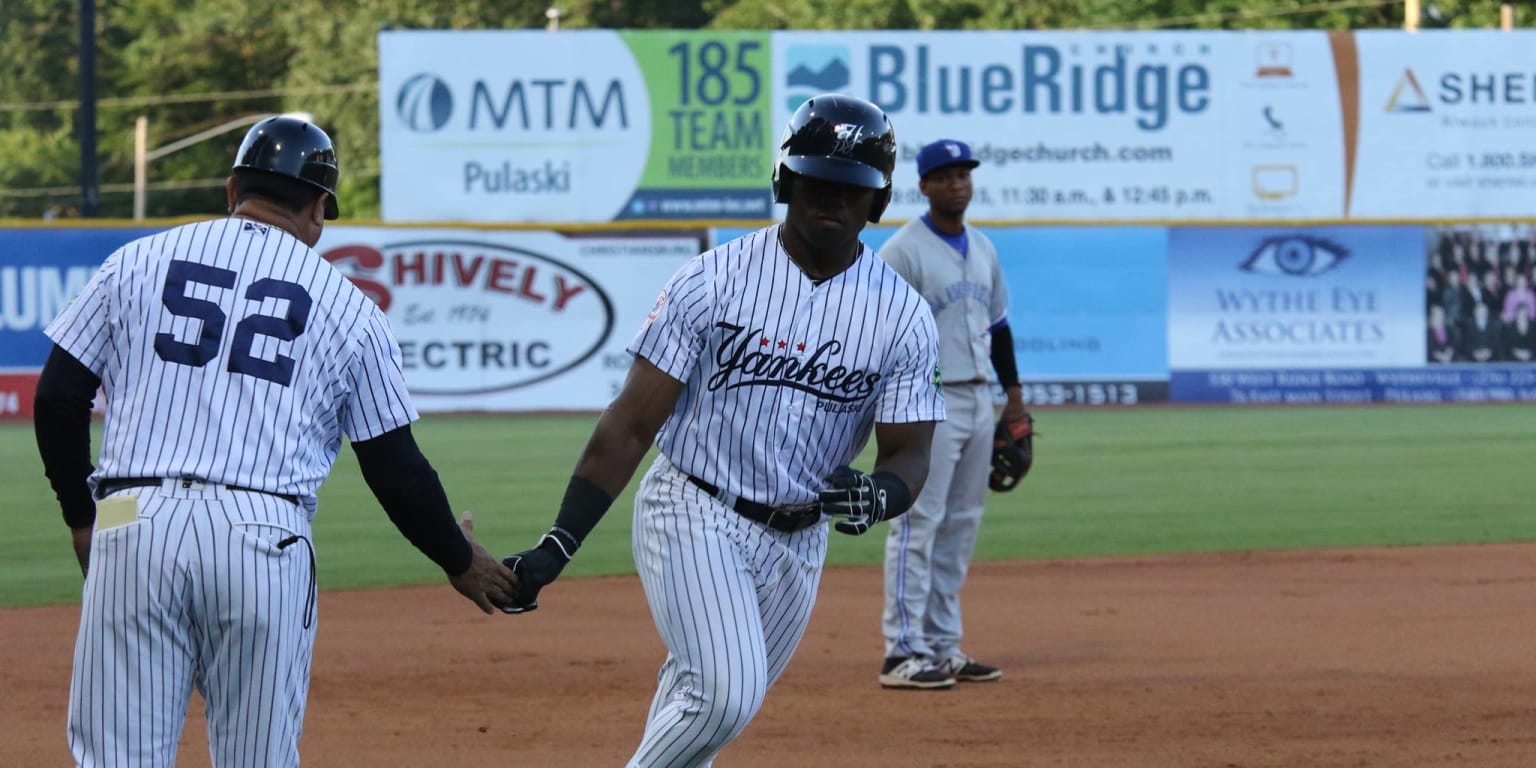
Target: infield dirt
{"type": "Point", "coordinates": [1397, 657]}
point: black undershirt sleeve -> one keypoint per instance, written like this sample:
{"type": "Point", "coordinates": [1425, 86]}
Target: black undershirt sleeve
{"type": "Point", "coordinates": [61, 418]}
{"type": "Point", "coordinates": [1003, 360]}
{"type": "Point", "coordinates": [898, 497]}
{"type": "Point", "coordinates": [408, 489]}
{"type": "Point", "coordinates": [582, 507]}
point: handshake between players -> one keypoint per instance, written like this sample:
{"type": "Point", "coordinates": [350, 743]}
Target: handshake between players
{"type": "Point", "coordinates": [854, 501]}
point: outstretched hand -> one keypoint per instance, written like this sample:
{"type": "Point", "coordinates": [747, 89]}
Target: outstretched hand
{"type": "Point", "coordinates": [487, 583]}
{"type": "Point", "coordinates": [536, 568]}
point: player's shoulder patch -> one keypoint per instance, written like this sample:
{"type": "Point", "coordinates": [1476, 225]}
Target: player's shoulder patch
{"type": "Point", "coordinates": [937, 380]}
{"type": "Point", "coordinates": [659, 307]}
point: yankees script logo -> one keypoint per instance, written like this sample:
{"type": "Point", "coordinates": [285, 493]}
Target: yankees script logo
{"type": "Point", "coordinates": [761, 362]}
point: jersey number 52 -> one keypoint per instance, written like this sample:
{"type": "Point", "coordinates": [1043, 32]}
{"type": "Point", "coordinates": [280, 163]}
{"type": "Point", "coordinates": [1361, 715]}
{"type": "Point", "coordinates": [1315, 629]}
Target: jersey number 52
{"type": "Point", "coordinates": [242, 359]}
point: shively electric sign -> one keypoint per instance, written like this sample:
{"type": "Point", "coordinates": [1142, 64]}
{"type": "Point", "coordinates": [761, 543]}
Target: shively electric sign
{"type": "Point", "coordinates": [507, 321]}
{"type": "Point", "coordinates": [476, 317]}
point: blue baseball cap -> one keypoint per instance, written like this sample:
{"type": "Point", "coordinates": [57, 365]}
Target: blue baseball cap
{"type": "Point", "coordinates": [944, 152]}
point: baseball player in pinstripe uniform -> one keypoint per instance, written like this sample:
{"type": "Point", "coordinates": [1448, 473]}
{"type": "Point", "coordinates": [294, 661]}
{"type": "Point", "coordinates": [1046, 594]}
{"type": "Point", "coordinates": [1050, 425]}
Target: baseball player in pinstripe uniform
{"type": "Point", "coordinates": [927, 552]}
{"type": "Point", "coordinates": [764, 366]}
{"type": "Point", "coordinates": [233, 359]}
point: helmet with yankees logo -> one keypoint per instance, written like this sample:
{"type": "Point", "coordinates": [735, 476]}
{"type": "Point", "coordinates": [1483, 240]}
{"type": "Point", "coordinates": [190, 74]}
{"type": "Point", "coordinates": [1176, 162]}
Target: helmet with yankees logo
{"type": "Point", "coordinates": [838, 138]}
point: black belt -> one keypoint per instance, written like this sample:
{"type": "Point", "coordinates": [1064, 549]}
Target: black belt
{"type": "Point", "coordinates": [114, 484]}
{"type": "Point", "coordinates": [786, 519]}
{"type": "Point", "coordinates": [967, 382]}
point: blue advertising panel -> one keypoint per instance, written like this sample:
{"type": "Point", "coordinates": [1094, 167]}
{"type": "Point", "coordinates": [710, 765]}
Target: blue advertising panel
{"type": "Point", "coordinates": [41, 271]}
{"type": "Point", "coordinates": [1460, 384]}
{"type": "Point", "coordinates": [1087, 302]}
{"type": "Point", "coordinates": [1351, 315]}
{"type": "Point", "coordinates": [1087, 306]}
{"type": "Point", "coordinates": [1277, 298]}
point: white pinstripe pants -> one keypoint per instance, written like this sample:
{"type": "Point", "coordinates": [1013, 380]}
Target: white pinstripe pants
{"type": "Point", "coordinates": [195, 592]}
{"type": "Point", "coordinates": [731, 600]}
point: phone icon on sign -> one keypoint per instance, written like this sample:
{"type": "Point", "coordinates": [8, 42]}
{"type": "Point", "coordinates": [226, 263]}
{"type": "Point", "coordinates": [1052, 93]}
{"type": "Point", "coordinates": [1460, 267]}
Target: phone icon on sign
{"type": "Point", "coordinates": [1274, 122]}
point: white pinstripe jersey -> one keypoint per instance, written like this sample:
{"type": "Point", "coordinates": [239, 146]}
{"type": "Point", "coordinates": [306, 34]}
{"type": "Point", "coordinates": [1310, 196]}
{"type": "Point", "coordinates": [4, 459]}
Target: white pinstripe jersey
{"type": "Point", "coordinates": [231, 352]}
{"type": "Point", "coordinates": [967, 293]}
{"type": "Point", "coordinates": [784, 377]}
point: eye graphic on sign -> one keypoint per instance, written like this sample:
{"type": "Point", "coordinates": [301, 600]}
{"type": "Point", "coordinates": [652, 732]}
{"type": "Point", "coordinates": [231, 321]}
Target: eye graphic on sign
{"type": "Point", "coordinates": [1296, 256]}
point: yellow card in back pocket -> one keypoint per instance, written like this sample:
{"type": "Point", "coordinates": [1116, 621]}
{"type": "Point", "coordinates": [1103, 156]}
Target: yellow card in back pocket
{"type": "Point", "coordinates": [115, 511]}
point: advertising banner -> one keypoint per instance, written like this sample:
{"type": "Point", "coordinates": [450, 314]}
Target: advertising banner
{"type": "Point", "coordinates": [16, 391]}
{"type": "Point", "coordinates": [1323, 297]}
{"type": "Point", "coordinates": [1087, 307]}
{"type": "Point", "coordinates": [1445, 120]}
{"type": "Point", "coordinates": [588, 125]}
{"type": "Point", "coordinates": [1478, 287]}
{"type": "Point", "coordinates": [592, 126]}
{"type": "Point", "coordinates": [510, 321]}
{"type": "Point", "coordinates": [1468, 384]}
{"type": "Point", "coordinates": [41, 270]}
{"type": "Point", "coordinates": [1100, 125]}
{"type": "Point", "coordinates": [514, 321]}
{"type": "Point", "coordinates": [486, 320]}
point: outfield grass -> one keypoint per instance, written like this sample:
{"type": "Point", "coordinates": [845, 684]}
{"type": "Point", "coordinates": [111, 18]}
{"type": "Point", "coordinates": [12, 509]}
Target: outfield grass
{"type": "Point", "coordinates": [1105, 483]}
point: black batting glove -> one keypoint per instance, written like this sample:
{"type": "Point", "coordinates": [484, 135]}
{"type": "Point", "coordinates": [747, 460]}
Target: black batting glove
{"type": "Point", "coordinates": [853, 500]}
{"type": "Point", "coordinates": [535, 568]}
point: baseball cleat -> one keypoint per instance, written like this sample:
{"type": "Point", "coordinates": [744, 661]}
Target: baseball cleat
{"type": "Point", "coordinates": [963, 667]}
{"type": "Point", "coordinates": [914, 672]}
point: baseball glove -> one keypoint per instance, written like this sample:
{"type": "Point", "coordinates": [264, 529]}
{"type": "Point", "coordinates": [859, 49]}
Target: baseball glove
{"type": "Point", "coordinates": [1013, 451]}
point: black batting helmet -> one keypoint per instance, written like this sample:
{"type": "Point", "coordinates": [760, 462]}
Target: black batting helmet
{"type": "Point", "coordinates": [288, 146]}
{"type": "Point", "coordinates": [839, 138]}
